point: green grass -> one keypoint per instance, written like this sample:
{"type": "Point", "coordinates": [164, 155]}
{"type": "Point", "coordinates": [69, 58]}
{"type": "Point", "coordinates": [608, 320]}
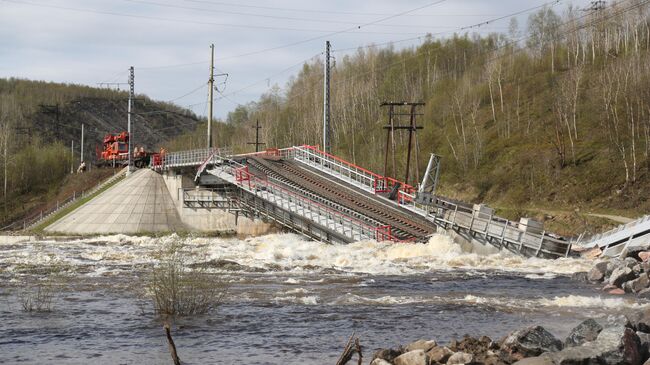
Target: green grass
{"type": "Point", "coordinates": [76, 204]}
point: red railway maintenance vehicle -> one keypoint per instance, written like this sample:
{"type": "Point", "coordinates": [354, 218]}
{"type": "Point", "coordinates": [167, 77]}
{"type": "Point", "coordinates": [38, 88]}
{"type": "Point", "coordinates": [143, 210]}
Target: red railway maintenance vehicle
{"type": "Point", "coordinates": [115, 152]}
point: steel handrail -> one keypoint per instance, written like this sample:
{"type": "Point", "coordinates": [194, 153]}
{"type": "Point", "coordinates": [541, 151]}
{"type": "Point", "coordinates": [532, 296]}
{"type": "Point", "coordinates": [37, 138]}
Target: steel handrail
{"type": "Point", "coordinates": [259, 185]}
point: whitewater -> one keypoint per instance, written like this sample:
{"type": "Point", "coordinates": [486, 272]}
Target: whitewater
{"type": "Point", "coordinates": [291, 301]}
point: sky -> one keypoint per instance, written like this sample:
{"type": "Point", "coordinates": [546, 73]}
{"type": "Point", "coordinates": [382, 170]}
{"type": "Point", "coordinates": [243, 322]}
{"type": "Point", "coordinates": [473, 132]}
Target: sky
{"type": "Point", "coordinates": [258, 44]}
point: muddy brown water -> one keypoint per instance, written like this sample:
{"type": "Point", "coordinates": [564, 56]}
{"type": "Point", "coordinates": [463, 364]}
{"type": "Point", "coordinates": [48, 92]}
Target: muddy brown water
{"type": "Point", "coordinates": [291, 301]}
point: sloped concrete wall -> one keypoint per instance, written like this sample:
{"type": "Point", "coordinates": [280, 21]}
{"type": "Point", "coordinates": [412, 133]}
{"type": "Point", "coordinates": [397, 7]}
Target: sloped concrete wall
{"type": "Point", "coordinates": [138, 204]}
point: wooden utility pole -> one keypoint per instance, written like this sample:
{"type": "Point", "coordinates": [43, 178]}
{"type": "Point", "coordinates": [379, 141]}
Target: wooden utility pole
{"type": "Point", "coordinates": [72, 157]}
{"type": "Point", "coordinates": [412, 128]}
{"type": "Point", "coordinates": [82, 143]}
{"type": "Point", "coordinates": [210, 90]}
{"type": "Point", "coordinates": [257, 142]}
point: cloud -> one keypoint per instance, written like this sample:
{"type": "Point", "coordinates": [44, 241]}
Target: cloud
{"type": "Point", "coordinates": [52, 40]}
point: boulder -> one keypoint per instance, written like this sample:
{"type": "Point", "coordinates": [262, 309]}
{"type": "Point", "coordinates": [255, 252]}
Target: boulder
{"type": "Point", "coordinates": [612, 265]}
{"type": "Point", "coordinates": [582, 276]}
{"type": "Point", "coordinates": [380, 362]}
{"type": "Point", "coordinates": [598, 272]}
{"type": "Point", "coordinates": [439, 354]}
{"type": "Point", "coordinates": [645, 266]}
{"type": "Point", "coordinates": [621, 275]}
{"type": "Point", "coordinates": [644, 340]}
{"type": "Point", "coordinates": [638, 269]}
{"type": "Point", "coordinates": [529, 342]}
{"type": "Point", "coordinates": [614, 345]}
{"type": "Point", "coordinates": [586, 331]}
{"type": "Point", "coordinates": [387, 354]}
{"type": "Point", "coordinates": [415, 357]}
{"type": "Point", "coordinates": [609, 287]}
{"type": "Point", "coordinates": [460, 358]}
{"type": "Point", "coordinates": [631, 262]}
{"type": "Point", "coordinates": [644, 294]}
{"type": "Point", "coordinates": [472, 345]}
{"type": "Point", "coordinates": [638, 284]}
{"type": "Point", "coordinates": [639, 320]}
{"type": "Point", "coordinates": [633, 253]}
{"type": "Point", "coordinates": [538, 360]}
{"type": "Point", "coordinates": [644, 256]}
{"type": "Point", "coordinates": [424, 345]}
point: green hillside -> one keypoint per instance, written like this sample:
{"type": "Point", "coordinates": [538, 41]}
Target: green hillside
{"type": "Point", "coordinates": [38, 121]}
{"type": "Point", "coordinates": [548, 120]}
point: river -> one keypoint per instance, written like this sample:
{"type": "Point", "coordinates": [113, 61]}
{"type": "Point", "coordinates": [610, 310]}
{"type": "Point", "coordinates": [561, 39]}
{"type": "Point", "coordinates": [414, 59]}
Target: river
{"type": "Point", "coordinates": [291, 301]}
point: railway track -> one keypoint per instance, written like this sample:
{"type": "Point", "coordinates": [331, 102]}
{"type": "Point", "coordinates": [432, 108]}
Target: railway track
{"type": "Point", "coordinates": [403, 226]}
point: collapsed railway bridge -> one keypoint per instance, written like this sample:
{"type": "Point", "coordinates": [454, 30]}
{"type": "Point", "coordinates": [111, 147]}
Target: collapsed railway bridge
{"type": "Point", "coordinates": [326, 198]}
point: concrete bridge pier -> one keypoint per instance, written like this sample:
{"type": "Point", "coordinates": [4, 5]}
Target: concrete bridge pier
{"type": "Point", "coordinates": [206, 219]}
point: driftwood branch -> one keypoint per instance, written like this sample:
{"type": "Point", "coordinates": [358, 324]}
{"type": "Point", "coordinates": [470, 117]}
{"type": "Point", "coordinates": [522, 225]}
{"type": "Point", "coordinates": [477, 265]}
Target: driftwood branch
{"type": "Point", "coordinates": [351, 347]}
{"type": "Point", "coordinates": [172, 347]}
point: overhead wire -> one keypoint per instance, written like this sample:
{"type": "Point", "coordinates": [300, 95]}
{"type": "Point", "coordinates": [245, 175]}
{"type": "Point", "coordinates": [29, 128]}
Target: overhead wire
{"type": "Point", "coordinates": [239, 5]}
{"type": "Point", "coordinates": [269, 16]}
{"type": "Point", "coordinates": [197, 22]}
{"type": "Point", "coordinates": [466, 27]}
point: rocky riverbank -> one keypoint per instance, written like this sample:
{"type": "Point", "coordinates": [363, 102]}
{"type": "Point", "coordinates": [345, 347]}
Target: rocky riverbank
{"type": "Point", "coordinates": [629, 273]}
{"type": "Point", "coordinates": [588, 343]}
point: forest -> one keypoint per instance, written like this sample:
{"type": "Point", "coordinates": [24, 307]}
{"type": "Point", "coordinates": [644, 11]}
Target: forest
{"type": "Point", "coordinates": [553, 114]}
{"type": "Point", "coordinates": [38, 122]}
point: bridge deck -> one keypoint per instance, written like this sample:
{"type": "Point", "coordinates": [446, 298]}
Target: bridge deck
{"type": "Point", "coordinates": [330, 199]}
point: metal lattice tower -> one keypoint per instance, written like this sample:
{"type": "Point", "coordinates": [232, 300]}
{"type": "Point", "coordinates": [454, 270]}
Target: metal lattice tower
{"type": "Point", "coordinates": [131, 96]}
{"type": "Point", "coordinates": [327, 144]}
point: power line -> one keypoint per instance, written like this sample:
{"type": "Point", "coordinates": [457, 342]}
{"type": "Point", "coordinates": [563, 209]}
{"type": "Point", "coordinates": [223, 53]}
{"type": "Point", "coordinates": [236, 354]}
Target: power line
{"type": "Point", "coordinates": [325, 11]}
{"type": "Point", "coordinates": [268, 78]}
{"type": "Point", "coordinates": [187, 94]}
{"type": "Point", "coordinates": [199, 22]}
{"type": "Point", "coordinates": [550, 3]}
{"type": "Point", "coordinates": [302, 19]}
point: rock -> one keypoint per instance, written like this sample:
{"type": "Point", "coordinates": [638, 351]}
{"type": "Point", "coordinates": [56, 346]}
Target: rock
{"type": "Point", "coordinates": [633, 253]}
{"type": "Point", "coordinates": [439, 354]}
{"type": "Point", "coordinates": [645, 266]}
{"type": "Point", "coordinates": [387, 354]}
{"type": "Point", "coordinates": [616, 292]}
{"type": "Point", "coordinates": [638, 284]}
{"type": "Point", "coordinates": [638, 269]}
{"type": "Point", "coordinates": [538, 360]}
{"type": "Point", "coordinates": [582, 276]}
{"type": "Point", "coordinates": [644, 340]}
{"type": "Point", "coordinates": [612, 265]}
{"type": "Point", "coordinates": [415, 357]}
{"type": "Point", "coordinates": [584, 332]}
{"type": "Point", "coordinates": [645, 294]}
{"type": "Point", "coordinates": [644, 256]}
{"type": "Point", "coordinates": [609, 287]}
{"type": "Point", "coordinates": [472, 345]}
{"type": "Point", "coordinates": [421, 345]}
{"type": "Point", "coordinates": [631, 262]}
{"type": "Point", "coordinates": [639, 320]}
{"type": "Point", "coordinates": [614, 345]}
{"type": "Point", "coordinates": [531, 341]}
{"type": "Point", "coordinates": [380, 362]}
{"type": "Point", "coordinates": [621, 275]}
{"type": "Point", "coordinates": [598, 272]}
{"type": "Point", "coordinates": [460, 358]}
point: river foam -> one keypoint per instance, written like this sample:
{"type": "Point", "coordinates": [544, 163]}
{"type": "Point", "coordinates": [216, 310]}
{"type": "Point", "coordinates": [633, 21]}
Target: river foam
{"type": "Point", "coordinates": [288, 252]}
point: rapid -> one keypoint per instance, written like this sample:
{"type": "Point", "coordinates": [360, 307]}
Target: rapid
{"type": "Point", "coordinates": [291, 301]}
